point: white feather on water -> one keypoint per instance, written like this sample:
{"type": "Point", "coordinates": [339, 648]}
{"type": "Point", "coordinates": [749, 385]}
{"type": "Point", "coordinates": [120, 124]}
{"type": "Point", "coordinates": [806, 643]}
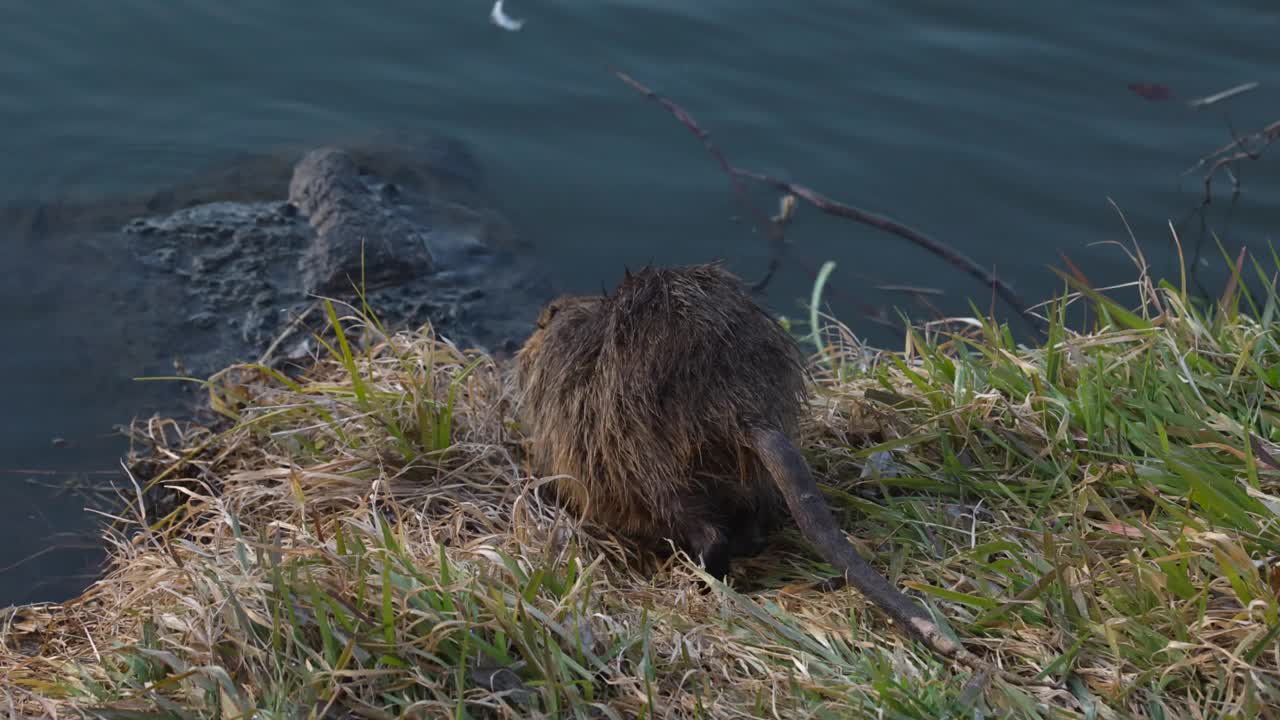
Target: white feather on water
{"type": "Point", "coordinates": [502, 19]}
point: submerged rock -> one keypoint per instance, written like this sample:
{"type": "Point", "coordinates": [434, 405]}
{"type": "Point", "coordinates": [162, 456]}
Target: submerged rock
{"type": "Point", "coordinates": [228, 257]}
{"type": "Point", "coordinates": [361, 238]}
{"type": "Point", "coordinates": [410, 224]}
{"type": "Point", "coordinates": [226, 268]}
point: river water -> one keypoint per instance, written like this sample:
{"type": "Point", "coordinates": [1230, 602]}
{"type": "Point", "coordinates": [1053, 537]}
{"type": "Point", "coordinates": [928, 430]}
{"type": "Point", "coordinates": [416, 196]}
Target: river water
{"type": "Point", "coordinates": [1004, 129]}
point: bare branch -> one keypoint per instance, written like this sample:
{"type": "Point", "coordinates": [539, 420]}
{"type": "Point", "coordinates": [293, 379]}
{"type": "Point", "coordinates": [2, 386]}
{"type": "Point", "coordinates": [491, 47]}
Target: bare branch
{"type": "Point", "coordinates": [772, 226]}
{"type": "Point", "coordinates": [1246, 147]}
{"type": "Point", "coordinates": [882, 222]}
{"type": "Point", "coordinates": [832, 207]}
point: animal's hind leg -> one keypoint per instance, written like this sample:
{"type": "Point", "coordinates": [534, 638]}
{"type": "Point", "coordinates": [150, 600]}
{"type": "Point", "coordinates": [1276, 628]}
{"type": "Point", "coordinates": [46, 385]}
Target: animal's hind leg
{"type": "Point", "coordinates": [751, 524]}
{"type": "Point", "coordinates": [711, 548]}
{"type": "Point", "coordinates": [706, 542]}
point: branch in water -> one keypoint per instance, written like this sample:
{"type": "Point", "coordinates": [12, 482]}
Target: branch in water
{"type": "Point", "coordinates": [1247, 147]}
{"type": "Point", "coordinates": [832, 207]}
{"type": "Point", "coordinates": [946, 252]}
{"type": "Point", "coordinates": [773, 226]}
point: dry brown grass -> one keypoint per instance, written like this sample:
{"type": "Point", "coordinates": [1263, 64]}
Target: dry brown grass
{"type": "Point", "coordinates": [366, 540]}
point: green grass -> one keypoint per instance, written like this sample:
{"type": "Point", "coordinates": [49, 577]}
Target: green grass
{"type": "Point", "coordinates": [1103, 508]}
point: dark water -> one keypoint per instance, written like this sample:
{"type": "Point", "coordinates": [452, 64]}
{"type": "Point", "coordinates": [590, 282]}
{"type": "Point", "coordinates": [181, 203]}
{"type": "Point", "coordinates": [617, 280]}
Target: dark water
{"type": "Point", "coordinates": [1000, 128]}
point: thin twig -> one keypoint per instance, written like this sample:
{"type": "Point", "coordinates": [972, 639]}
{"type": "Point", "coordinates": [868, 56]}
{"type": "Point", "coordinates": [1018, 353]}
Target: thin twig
{"type": "Point", "coordinates": [776, 238]}
{"type": "Point", "coordinates": [882, 222]}
{"type": "Point", "coordinates": [832, 207]}
{"type": "Point", "coordinates": [775, 225]}
{"type": "Point", "coordinates": [1204, 102]}
{"type": "Point", "coordinates": [1245, 147]}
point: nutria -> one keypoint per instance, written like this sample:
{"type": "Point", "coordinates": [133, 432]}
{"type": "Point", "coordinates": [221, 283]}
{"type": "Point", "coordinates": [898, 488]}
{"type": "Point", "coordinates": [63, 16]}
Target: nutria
{"type": "Point", "coordinates": [667, 407]}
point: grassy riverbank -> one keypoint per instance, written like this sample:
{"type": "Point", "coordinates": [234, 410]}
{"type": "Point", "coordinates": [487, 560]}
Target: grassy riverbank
{"type": "Point", "coordinates": [1105, 508]}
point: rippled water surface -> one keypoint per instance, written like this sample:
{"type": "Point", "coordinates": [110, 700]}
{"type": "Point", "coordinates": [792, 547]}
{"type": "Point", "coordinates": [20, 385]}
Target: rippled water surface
{"type": "Point", "coordinates": [1001, 128]}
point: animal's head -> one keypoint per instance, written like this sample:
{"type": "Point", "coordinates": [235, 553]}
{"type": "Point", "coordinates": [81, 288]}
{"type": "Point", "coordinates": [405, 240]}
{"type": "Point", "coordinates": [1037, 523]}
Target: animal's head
{"type": "Point", "coordinates": [556, 325]}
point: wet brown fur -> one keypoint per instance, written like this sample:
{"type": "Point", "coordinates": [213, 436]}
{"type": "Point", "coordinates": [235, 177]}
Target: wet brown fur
{"type": "Point", "coordinates": [667, 408]}
{"type": "Point", "coordinates": [643, 398]}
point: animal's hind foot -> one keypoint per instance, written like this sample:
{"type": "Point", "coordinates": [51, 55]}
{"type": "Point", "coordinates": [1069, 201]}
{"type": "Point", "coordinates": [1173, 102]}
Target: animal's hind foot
{"type": "Point", "coordinates": [707, 544]}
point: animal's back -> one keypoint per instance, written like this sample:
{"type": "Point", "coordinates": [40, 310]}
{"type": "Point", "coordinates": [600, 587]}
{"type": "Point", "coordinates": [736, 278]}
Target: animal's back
{"type": "Point", "coordinates": [645, 397]}
{"type": "Point", "coordinates": [664, 401]}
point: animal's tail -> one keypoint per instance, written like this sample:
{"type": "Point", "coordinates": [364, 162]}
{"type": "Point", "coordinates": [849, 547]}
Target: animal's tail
{"type": "Point", "coordinates": [791, 473]}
